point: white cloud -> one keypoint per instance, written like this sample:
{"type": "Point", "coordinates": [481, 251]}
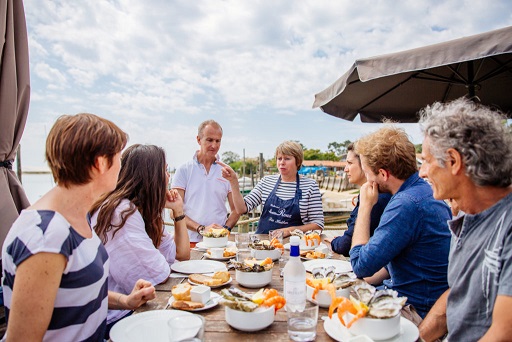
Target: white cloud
{"type": "Point", "coordinates": [158, 68]}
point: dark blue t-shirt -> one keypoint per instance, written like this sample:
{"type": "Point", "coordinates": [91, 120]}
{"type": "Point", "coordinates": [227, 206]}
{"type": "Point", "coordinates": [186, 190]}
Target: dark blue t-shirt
{"type": "Point", "coordinates": [342, 244]}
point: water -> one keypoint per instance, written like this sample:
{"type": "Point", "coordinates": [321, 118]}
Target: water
{"type": "Point", "coordinates": [36, 185]}
{"type": "Point", "coordinates": [302, 328]}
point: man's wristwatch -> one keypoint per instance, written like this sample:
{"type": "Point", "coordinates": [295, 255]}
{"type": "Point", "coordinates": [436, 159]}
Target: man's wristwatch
{"type": "Point", "coordinates": [228, 228]}
{"type": "Point", "coordinates": [200, 229]}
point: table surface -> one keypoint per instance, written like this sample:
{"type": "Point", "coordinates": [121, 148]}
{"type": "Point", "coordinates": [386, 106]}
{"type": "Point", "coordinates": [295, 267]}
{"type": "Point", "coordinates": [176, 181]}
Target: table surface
{"type": "Point", "coordinates": [216, 327]}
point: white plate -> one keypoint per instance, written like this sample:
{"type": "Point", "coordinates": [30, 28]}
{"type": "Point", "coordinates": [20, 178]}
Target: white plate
{"type": "Point", "coordinates": [206, 255]}
{"type": "Point", "coordinates": [333, 327]}
{"type": "Point", "coordinates": [214, 300]}
{"type": "Point", "coordinates": [198, 266]}
{"type": "Point", "coordinates": [303, 246]}
{"type": "Point", "coordinates": [328, 256]}
{"type": "Point", "coordinates": [213, 286]}
{"type": "Point", "coordinates": [201, 246]}
{"type": "Point", "coordinates": [341, 265]}
{"type": "Point", "coordinates": [145, 326]}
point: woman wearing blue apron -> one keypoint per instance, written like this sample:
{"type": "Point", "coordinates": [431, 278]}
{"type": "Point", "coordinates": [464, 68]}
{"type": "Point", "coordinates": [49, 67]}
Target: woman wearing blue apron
{"type": "Point", "coordinates": [289, 202]}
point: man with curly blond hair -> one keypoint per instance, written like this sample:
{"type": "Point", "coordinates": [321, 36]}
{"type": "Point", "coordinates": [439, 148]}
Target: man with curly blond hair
{"type": "Point", "coordinates": [408, 251]}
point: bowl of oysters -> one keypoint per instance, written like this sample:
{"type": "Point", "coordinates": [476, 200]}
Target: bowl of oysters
{"type": "Point", "coordinates": [375, 313]}
{"type": "Point", "coordinates": [215, 237]}
{"type": "Point", "coordinates": [322, 282]}
{"type": "Point", "coordinates": [266, 249]}
{"type": "Point", "coordinates": [253, 273]}
{"type": "Point", "coordinates": [251, 312]}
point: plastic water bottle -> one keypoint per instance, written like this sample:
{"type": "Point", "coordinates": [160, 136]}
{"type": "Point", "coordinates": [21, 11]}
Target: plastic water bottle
{"type": "Point", "coordinates": [295, 279]}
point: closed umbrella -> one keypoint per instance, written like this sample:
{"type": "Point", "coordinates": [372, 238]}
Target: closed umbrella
{"type": "Point", "coordinates": [398, 85]}
{"type": "Point", "coordinates": [14, 101]}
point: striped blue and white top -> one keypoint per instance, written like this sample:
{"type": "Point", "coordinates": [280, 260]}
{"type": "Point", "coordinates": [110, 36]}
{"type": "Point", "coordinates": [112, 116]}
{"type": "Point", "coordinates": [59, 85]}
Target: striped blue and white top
{"type": "Point", "coordinates": [81, 304]}
{"type": "Point", "coordinates": [310, 205]}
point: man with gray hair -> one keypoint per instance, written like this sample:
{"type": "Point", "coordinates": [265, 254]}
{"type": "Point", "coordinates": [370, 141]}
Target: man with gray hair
{"type": "Point", "coordinates": [467, 153]}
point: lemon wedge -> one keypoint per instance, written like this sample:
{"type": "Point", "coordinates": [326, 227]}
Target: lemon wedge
{"type": "Point", "coordinates": [258, 297]}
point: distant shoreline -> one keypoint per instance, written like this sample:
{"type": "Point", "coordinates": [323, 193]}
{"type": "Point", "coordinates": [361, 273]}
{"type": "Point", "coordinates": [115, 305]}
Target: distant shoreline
{"type": "Point", "coordinates": [36, 172]}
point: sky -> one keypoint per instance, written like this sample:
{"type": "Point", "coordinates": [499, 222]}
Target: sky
{"type": "Point", "coordinates": [158, 68]}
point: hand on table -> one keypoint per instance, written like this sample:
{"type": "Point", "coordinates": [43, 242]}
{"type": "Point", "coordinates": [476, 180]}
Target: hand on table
{"type": "Point", "coordinates": [141, 293]}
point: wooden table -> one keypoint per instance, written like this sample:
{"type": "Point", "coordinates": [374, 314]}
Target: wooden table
{"type": "Point", "coordinates": [216, 327]}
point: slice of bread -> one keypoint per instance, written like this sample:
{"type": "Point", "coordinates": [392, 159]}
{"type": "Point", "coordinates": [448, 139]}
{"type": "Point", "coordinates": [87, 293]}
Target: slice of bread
{"type": "Point", "coordinates": [222, 275]}
{"type": "Point", "coordinates": [181, 291]}
{"type": "Point", "coordinates": [205, 280]}
{"type": "Point", "coordinates": [186, 305]}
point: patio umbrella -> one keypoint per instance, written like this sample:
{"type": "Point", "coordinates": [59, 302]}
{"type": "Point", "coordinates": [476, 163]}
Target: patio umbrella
{"type": "Point", "coordinates": [398, 85]}
{"type": "Point", "coordinates": [14, 101]}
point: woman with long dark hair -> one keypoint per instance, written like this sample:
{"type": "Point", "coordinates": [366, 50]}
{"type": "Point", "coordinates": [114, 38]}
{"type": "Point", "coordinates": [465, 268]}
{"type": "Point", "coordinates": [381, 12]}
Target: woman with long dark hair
{"type": "Point", "coordinates": [129, 221]}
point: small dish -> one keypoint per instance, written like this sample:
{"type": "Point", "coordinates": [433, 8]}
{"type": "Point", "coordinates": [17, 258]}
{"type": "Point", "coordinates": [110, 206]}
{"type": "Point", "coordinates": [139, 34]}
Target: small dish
{"type": "Point", "coordinates": [214, 301]}
{"type": "Point", "coordinates": [206, 255]}
{"type": "Point", "coordinates": [213, 286]}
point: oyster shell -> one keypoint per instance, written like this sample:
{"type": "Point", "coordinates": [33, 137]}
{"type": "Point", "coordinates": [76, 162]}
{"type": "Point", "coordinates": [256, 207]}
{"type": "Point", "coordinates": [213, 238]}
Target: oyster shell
{"type": "Point", "coordinates": [324, 272]}
{"type": "Point", "coordinates": [364, 292]}
{"type": "Point", "coordinates": [244, 267]}
{"type": "Point", "coordinates": [262, 245]}
{"type": "Point", "coordinates": [346, 279]}
{"type": "Point", "coordinates": [238, 300]}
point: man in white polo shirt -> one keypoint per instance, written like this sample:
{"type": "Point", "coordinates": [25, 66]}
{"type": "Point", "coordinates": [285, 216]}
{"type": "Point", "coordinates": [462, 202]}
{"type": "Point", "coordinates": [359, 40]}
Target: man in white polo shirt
{"type": "Point", "coordinates": [202, 187]}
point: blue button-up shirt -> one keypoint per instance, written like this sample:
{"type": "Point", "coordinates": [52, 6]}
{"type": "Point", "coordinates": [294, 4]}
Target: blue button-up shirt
{"type": "Point", "coordinates": [412, 241]}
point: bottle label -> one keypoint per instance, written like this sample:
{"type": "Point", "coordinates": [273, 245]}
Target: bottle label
{"type": "Point", "coordinates": [295, 292]}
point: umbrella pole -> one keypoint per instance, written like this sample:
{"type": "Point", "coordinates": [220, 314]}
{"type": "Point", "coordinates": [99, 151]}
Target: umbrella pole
{"type": "Point", "coordinates": [471, 77]}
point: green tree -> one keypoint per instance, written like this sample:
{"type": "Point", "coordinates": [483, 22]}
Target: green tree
{"type": "Point", "coordinates": [418, 148]}
{"type": "Point", "coordinates": [230, 157]}
{"type": "Point", "coordinates": [339, 149]}
{"type": "Point", "coordinates": [312, 154]}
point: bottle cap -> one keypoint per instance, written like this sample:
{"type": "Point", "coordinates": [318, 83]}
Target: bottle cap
{"type": "Point", "coordinates": [294, 240]}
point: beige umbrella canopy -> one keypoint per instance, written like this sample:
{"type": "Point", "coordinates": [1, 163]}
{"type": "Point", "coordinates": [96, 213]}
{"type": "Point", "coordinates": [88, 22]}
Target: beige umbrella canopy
{"type": "Point", "coordinates": [14, 101]}
{"type": "Point", "coordinates": [398, 85]}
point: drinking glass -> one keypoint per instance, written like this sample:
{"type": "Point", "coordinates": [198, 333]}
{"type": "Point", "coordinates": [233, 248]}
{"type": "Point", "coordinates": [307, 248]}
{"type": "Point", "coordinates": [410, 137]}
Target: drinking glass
{"type": "Point", "coordinates": [283, 259]}
{"type": "Point", "coordinates": [186, 328]}
{"type": "Point", "coordinates": [302, 324]}
{"type": "Point", "coordinates": [243, 254]}
{"type": "Point", "coordinates": [276, 234]}
{"type": "Point", "coordinates": [242, 241]}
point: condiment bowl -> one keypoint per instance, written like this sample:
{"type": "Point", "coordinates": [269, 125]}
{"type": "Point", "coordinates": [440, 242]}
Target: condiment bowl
{"type": "Point", "coordinates": [259, 319]}
{"type": "Point", "coordinates": [253, 279]}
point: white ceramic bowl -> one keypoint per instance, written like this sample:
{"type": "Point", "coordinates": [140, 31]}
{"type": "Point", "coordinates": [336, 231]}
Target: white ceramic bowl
{"type": "Point", "coordinates": [312, 244]}
{"type": "Point", "coordinates": [253, 279]}
{"type": "Point", "coordinates": [250, 321]}
{"type": "Point", "coordinates": [262, 254]}
{"type": "Point", "coordinates": [211, 242]}
{"type": "Point", "coordinates": [375, 328]}
{"type": "Point", "coordinates": [323, 298]}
